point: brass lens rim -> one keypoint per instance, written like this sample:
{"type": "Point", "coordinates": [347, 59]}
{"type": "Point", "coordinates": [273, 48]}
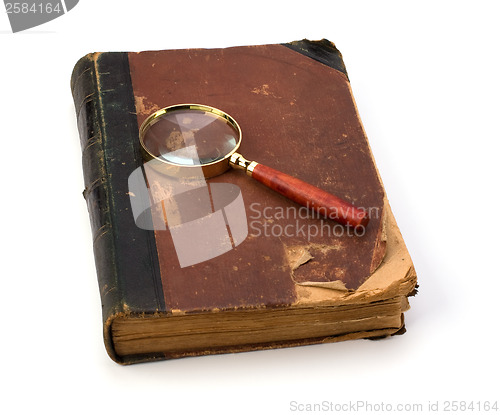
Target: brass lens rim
{"type": "Point", "coordinates": [211, 169]}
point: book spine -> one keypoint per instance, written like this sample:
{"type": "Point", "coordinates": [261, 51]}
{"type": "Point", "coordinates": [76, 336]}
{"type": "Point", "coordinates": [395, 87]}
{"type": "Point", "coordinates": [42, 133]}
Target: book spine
{"type": "Point", "coordinates": [85, 90]}
{"type": "Point", "coordinates": [125, 255]}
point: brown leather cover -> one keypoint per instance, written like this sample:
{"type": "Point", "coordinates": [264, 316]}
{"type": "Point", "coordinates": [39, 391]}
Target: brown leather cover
{"type": "Point", "coordinates": [297, 113]}
{"type": "Point", "coordinates": [298, 116]}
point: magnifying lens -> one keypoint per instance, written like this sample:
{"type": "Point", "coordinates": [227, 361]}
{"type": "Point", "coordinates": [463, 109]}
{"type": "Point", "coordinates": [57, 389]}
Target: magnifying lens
{"type": "Point", "coordinates": [182, 137]}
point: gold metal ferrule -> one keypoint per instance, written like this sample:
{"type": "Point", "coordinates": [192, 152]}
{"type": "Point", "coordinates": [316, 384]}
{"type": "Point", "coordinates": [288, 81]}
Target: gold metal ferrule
{"type": "Point", "coordinates": [251, 167]}
{"type": "Point", "coordinates": [237, 161]}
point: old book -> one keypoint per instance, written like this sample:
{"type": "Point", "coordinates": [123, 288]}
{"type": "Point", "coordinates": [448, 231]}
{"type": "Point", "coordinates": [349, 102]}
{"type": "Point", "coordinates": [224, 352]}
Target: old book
{"type": "Point", "coordinates": [293, 277]}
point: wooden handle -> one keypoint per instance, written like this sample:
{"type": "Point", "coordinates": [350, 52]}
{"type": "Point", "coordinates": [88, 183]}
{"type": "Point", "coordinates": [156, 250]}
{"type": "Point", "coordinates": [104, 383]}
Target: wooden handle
{"type": "Point", "coordinates": [310, 196]}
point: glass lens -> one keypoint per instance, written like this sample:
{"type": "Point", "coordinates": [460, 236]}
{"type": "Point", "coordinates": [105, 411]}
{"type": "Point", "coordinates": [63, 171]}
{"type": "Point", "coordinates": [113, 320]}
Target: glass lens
{"type": "Point", "coordinates": [191, 137]}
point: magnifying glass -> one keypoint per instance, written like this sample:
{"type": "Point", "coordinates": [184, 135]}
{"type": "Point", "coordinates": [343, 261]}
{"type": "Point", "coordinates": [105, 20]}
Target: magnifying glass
{"type": "Point", "coordinates": [184, 137]}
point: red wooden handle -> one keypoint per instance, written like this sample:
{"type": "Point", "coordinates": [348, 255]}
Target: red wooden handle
{"type": "Point", "coordinates": [310, 196]}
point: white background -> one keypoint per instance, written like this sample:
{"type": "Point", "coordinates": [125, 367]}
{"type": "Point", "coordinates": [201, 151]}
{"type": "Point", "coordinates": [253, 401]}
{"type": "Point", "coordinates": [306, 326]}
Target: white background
{"type": "Point", "coordinates": [425, 76]}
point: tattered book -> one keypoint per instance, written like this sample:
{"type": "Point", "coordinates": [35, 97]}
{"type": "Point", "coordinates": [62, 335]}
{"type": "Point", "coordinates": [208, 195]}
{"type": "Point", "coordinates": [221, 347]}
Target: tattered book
{"type": "Point", "coordinates": [295, 278]}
